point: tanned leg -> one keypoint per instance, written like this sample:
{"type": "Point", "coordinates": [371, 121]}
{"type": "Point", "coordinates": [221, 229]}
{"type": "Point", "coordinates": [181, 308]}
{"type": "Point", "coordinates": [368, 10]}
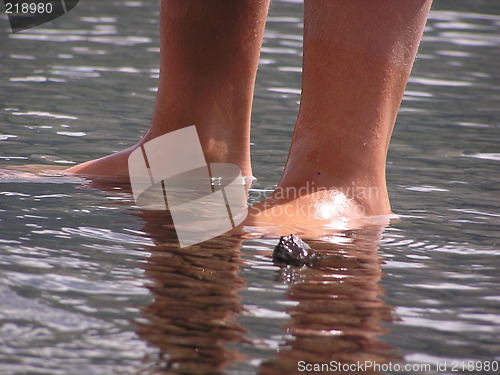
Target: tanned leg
{"type": "Point", "coordinates": [358, 55]}
{"type": "Point", "coordinates": [209, 55]}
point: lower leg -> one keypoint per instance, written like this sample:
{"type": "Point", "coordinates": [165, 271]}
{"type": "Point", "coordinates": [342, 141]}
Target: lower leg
{"type": "Point", "coordinates": [208, 61]}
{"type": "Point", "coordinates": [358, 55]}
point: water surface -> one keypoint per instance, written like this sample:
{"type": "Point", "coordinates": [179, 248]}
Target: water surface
{"type": "Point", "coordinates": [91, 284]}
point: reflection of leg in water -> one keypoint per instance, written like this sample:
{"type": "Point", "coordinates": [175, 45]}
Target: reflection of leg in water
{"type": "Point", "coordinates": [339, 314]}
{"type": "Point", "coordinates": [194, 314]}
{"type": "Point", "coordinates": [357, 59]}
{"type": "Point", "coordinates": [208, 62]}
{"type": "Point", "coordinates": [195, 303]}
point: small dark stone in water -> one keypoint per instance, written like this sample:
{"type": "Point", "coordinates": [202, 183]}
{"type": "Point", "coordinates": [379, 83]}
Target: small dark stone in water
{"type": "Point", "coordinates": [292, 250]}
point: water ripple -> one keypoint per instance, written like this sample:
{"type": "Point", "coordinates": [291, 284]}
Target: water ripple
{"type": "Point", "coordinates": [33, 311]}
{"type": "Point", "coordinates": [65, 283]}
{"type": "Point", "coordinates": [75, 264]}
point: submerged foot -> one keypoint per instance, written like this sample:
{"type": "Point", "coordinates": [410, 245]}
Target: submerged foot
{"type": "Point", "coordinates": [117, 165]}
{"type": "Point", "coordinates": [313, 211]}
{"type": "Point", "coordinates": [114, 165]}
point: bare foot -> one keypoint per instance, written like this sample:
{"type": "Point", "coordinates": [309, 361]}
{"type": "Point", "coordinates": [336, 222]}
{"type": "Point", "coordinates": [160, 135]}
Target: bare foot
{"type": "Point", "coordinates": [315, 212]}
{"type": "Point", "coordinates": [114, 165]}
{"type": "Point", "coordinates": [209, 55]}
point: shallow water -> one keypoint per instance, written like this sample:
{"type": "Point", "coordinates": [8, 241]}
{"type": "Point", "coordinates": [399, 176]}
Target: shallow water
{"type": "Point", "coordinates": [91, 284]}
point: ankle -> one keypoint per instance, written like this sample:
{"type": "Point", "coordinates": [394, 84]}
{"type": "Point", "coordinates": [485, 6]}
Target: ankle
{"type": "Point", "coordinates": [220, 144]}
{"type": "Point", "coordinates": [367, 190]}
